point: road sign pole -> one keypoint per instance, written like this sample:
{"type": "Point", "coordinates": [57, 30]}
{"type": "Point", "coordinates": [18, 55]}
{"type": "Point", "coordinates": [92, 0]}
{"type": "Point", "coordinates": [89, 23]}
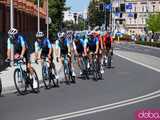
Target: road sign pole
{"type": "Point", "coordinates": [105, 18]}
{"type": "Point", "coordinates": [47, 21]}
{"type": "Point", "coordinates": [38, 17]}
{"type": "Point", "coordinates": [11, 26]}
{"type": "Point", "coordinates": [11, 14]}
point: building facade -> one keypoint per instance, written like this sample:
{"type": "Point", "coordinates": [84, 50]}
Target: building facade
{"type": "Point", "coordinates": [133, 19]}
{"type": "Point", "coordinates": [25, 20]}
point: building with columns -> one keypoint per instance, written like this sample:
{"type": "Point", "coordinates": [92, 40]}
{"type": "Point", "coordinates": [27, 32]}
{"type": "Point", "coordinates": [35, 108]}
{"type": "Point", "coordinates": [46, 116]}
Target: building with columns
{"type": "Point", "coordinates": [133, 19]}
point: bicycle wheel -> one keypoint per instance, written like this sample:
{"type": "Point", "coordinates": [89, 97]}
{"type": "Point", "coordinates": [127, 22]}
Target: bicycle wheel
{"type": "Point", "coordinates": [0, 87]}
{"type": "Point", "coordinates": [45, 76]}
{"type": "Point", "coordinates": [109, 60]}
{"type": "Point", "coordinates": [20, 81]}
{"type": "Point", "coordinates": [86, 70]}
{"type": "Point", "coordinates": [34, 82]}
{"type": "Point", "coordinates": [98, 70]}
{"type": "Point", "coordinates": [66, 74]}
{"type": "Point", "coordinates": [53, 74]}
{"type": "Point", "coordinates": [95, 73]}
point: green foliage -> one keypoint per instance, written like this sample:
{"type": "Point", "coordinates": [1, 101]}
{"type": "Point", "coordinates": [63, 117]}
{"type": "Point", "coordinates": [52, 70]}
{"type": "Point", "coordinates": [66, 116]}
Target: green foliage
{"type": "Point", "coordinates": [69, 25]}
{"type": "Point", "coordinates": [56, 8]}
{"type": "Point", "coordinates": [154, 23]}
{"type": "Point", "coordinates": [154, 44]}
{"type": "Point", "coordinates": [95, 15]}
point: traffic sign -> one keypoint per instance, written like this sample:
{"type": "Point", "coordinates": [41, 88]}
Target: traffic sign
{"type": "Point", "coordinates": [108, 6]}
{"type": "Point", "coordinates": [129, 6]}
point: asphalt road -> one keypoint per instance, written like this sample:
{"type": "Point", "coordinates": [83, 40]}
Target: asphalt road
{"type": "Point", "coordinates": [126, 80]}
{"type": "Point", "coordinates": [140, 49]}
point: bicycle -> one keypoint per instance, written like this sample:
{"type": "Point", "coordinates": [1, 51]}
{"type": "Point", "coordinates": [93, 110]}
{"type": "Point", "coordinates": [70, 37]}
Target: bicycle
{"type": "Point", "coordinates": [48, 75]}
{"type": "Point", "coordinates": [23, 78]}
{"type": "Point", "coordinates": [95, 67]}
{"type": "Point", "coordinates": [84, 67]}
{"type": "Point", "coordinates": [110, 54]}
{"type": "Point", "coordinates": [68, 71]}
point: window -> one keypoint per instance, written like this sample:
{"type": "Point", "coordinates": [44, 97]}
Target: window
{"type": "Point", "coordinates": [135, 9]}
{"type": "Point", "coordinates": [142, 20]}
{"type": "Point", "coordinates": [143, 8]}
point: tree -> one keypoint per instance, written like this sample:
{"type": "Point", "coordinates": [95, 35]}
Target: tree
{"type": "Point", "coordinates": [153, 22]}
{"type": "Point", "coordinates": [95, 15]}
{"type": "Point", "coordinates": [56, 8]}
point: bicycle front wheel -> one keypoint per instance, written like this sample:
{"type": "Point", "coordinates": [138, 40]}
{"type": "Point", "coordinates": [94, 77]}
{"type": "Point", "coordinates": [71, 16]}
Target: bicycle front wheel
{"type": "Point", "coordinates": [109, 61]}
{"type": "Point", "coordinates": [19, 81]}
{"type": "Point", "coordinates": [34, 82]}
{"type": "Point", "coordinates": [45, 76]}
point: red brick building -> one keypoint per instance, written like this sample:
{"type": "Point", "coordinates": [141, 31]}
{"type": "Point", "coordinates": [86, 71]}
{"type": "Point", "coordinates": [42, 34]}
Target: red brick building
{"type": "Point", "coordinates": [25, 20]}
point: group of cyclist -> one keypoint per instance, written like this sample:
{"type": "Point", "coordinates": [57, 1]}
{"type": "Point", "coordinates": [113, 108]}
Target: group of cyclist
{"type": "Point", "coordinates": [80, 44]}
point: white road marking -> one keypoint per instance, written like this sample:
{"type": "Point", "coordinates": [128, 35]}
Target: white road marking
{"type": "Point", "coordinates": [140, 63]}
{"type": "Point", "coordinates": [109, 106]}
{"type": "Point", "coordinates": [104, 107]}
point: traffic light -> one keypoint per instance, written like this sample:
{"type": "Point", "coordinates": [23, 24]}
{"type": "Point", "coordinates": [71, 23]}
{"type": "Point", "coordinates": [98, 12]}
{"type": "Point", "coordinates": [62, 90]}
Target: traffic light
{"type": "Point", "coordinates": [117, 10]}
{"type": "Point", "coordinates": [121, 14]}
{"type": "Point", "coordinates": [101, 7]}
{"type": "Point", "coordinates": [135, 15]}
{"type": "Point", "coordinates": [122, 7]}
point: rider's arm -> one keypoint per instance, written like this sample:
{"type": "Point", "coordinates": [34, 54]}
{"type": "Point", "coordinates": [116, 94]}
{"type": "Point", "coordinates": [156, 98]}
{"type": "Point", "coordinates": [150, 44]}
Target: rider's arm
{"type": "Point", "coordinates": [50, 47]}
{"type": "Point", "coordinates": [37, 50]}
{"type": "Point", "coordinates": [75, 48]}
{"type": "Point", "coordinates": [68, 45]}
{"type": "Point", "coordinates": [85, 46]}
{"type": "Point", "coordinates": [58, 51]}
{"type": "Point", "coordinates": [97, 46]}
{"type": "Point", "coordinates": [101, 39]}
{"type": "Point", "coordinates": [8, 48]}
{"type": "Point", "coordinates": [23, 46]}
{"type": "Point", "coordinates": [104, 40]}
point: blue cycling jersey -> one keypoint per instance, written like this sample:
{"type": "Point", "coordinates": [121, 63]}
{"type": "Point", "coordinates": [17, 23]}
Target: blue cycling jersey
{"type": "Point", "coordinates": [93, 42]}
{"type": "Point", "coordinates": [20, 42]}
{"type": "Point", "coordinates": [43, 44]}
{"type": "Point", "coordinates": [65, 42]}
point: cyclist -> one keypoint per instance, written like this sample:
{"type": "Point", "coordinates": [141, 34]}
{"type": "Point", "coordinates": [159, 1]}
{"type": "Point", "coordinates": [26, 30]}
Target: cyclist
{"type": "Point", "coordinates": [19, 46]}
{"type": "Point", "coordinates": [107, 42]}
{"type": "Point", "coordinates": [101, 48]}
{"type": "Point", "coordinates": [92, 45]}
{"type": "Point", "coordinates": [44, 47]}
{"type": "Point", "coordinates": [21, 50]}
{"type": "Point", "coordinates": [80, 48]}
{"type": "Point", "coordinates": [64, 50]}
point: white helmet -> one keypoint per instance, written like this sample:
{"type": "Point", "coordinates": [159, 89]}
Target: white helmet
{"type": "Point", "coordinates": [39, 34]}
{"type": "Point", "coordinates": [60, 35]}
{"type": "Point", "coordinates": [12, 31]}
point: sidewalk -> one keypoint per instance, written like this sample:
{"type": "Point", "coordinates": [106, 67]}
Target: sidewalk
{"type": "Point", "coordinates": [139, 58]}
{"type": "Point", "coordinates": [133, 43]}
{"type": "Point", "coordinates": [6, 76]}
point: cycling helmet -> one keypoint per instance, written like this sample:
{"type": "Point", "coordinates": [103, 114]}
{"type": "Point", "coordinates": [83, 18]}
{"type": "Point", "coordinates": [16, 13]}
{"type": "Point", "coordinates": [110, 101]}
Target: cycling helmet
{"type": "Point", "coordinates": [60, 35]}
{"type": "Point", "coordinates": [39, 34]}
{"type": "Point", "coordinates": [12, 31]}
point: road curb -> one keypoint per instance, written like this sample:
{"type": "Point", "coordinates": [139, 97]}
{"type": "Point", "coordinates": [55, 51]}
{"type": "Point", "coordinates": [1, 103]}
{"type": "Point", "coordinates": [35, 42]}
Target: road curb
{"type": "Point", "coordinates": [156, 48]}
{"type": "Point", "coordinates": [12, 89]}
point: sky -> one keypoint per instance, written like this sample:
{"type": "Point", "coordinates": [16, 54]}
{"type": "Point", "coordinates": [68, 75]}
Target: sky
{"type": "Point", "coordinates": [77, 5]}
